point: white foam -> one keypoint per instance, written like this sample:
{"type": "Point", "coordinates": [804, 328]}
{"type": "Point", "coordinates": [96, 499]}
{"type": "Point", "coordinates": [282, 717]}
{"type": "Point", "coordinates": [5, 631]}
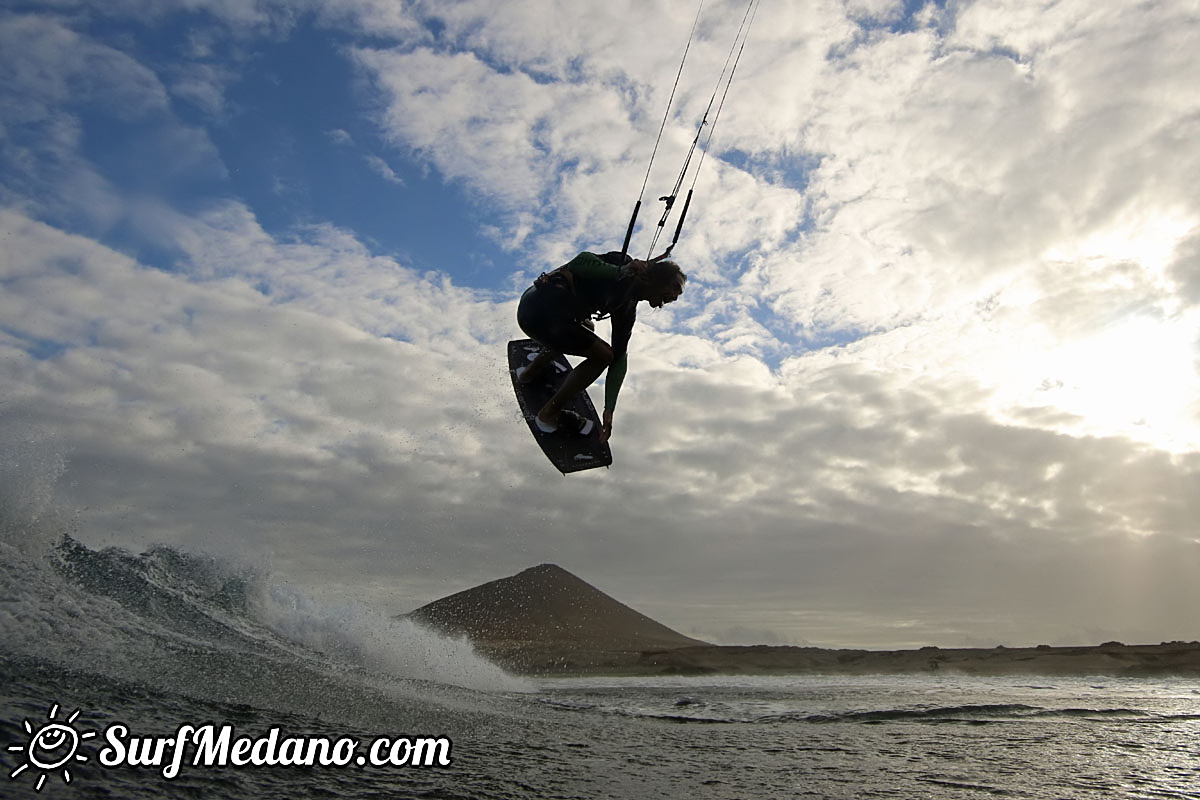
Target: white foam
{"type": "Point", "coordinates": [42, 614]}
{"type": "Point", "coordinates": [31, 463]}
{"type": "Point", "coordinates": [356, 635]}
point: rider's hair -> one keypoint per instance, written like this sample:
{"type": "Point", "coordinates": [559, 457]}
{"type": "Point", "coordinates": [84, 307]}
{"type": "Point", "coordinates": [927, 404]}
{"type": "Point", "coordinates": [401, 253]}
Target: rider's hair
{"type": "Point", "coordinates": [657, 273]}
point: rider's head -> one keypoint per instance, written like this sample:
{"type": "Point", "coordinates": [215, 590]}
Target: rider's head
{"type": "Point", "coordinates": [661, 282]}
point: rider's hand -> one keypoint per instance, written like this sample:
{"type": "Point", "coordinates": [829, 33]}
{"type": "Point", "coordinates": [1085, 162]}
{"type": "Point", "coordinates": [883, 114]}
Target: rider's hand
{"type": "Point", "coordinates": [606, 428]}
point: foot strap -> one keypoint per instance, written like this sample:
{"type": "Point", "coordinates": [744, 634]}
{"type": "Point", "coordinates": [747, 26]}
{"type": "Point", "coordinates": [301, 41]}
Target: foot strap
{"type": "Point", "coordinates": [576, 422]}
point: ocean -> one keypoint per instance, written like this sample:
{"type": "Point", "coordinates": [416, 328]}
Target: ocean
{"type": "Point", "coordinates": [169, 673]}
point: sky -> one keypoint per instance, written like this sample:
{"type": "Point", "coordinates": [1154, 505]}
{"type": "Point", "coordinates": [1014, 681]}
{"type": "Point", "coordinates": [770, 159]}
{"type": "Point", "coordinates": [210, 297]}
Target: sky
{"type": "Point", "coordinates": [933, 380]}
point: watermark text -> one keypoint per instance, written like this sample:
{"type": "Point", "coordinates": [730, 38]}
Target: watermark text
{"type": "Point", "coordinates": [54, 746]}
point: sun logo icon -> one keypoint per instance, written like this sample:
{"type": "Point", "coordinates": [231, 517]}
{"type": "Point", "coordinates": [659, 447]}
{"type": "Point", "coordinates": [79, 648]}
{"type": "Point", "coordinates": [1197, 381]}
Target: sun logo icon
{"type": "Point", "coordinates": [51, 747]}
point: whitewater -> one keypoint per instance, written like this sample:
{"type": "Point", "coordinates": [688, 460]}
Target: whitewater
{"type": "Point", "coordinates": [104, 645]}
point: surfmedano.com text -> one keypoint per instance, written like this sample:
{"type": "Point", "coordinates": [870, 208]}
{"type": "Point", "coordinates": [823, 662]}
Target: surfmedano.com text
{"type": "Point", "coordinates": [212, 747]}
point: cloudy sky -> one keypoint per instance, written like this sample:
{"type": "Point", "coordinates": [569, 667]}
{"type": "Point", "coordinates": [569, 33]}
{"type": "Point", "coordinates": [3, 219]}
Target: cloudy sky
{"type": "Point", "coordinates": [933, 380]}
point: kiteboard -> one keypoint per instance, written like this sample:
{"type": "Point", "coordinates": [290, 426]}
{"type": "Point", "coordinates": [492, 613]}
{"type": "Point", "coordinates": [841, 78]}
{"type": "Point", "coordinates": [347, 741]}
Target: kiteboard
{"type": "Point", "coordinates": [567, 450]}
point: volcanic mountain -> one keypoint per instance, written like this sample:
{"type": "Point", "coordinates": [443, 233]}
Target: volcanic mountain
{"type": "Point", "coordinates": [547, 618]}
{"type": "Point", "coordinates": [546, 621]}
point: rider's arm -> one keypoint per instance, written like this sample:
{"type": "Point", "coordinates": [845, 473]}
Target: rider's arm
{"type": "Point", "coordinates": [622, 328]}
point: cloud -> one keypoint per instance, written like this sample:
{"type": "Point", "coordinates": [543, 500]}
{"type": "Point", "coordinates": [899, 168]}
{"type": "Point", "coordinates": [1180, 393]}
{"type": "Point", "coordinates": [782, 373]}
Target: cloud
{"type": "Point", "coordinates": [909, 174]}
{"type": "Point", "coordinates": [492, 131]}
{"type": "Point", "coordinates": [58, 76]}
{"type": "Point", "coordinates": [862, 488]}
{"type": "Point", "coordinates": [49, 64]}
{"type": "Point", "coordinates": [307, 437]}
{"type": "Point", "coordinates": [203, 86]}
{"type": "Point", "coordinates": [1185, 269]}
{"type": "Point", "coordinates": [941, 271]}
{"type": "Point", "coordinates": [340, 137]}
{"type": "Point", "coordinates": [552, 116]}
{"type": "Point", "coordinates": [881, 11]}
{"type": "Point", "coordinates": [383, 170]}
{"type": "Point", "coordinates": [375, 18]}
{"type": "Point", "coordinates": [213, 381]}
{"type": "Point", "coordinates": [264, 405]}
{"type": "Point", "coordinates": [244, 19]}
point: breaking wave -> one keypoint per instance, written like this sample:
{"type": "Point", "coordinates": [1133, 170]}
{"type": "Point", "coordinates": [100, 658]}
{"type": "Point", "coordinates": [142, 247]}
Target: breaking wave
{"type": "Point", "coordinates": [180, 620]}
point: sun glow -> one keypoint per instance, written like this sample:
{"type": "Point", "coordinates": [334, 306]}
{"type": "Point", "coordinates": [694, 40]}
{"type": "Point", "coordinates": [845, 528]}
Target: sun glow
{"type": "Point", "coordinates": [1149, 240]}
{"type": "Point", "coordinates": [1135, 377]}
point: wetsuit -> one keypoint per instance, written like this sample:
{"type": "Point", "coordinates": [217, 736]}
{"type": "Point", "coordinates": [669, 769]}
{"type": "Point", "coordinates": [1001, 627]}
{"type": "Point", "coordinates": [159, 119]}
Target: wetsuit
{"type": "Point", "coordinates": [554, 309]}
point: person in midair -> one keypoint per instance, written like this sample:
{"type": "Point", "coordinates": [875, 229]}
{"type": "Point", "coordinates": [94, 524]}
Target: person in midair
{"type": "Point", "coordinates": [556, 312]}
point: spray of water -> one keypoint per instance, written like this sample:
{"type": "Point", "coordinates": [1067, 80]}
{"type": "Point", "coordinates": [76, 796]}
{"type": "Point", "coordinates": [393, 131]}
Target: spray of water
{"type": "Point", "coordinates": [66, 602]}
{"type": "Point", "coordinates": [31, 464]}
{"type": "Point", "coordinates": [362, 637]}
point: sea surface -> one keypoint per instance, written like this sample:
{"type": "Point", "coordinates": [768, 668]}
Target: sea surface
{"type": "Point", "coordinates": [100, 644]}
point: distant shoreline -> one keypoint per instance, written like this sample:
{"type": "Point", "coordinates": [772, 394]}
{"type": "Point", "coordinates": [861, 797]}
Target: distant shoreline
{"type": "Point", "coordinates": [1110, 659]}
{"type": "Point", "coordinates": [547, 622]}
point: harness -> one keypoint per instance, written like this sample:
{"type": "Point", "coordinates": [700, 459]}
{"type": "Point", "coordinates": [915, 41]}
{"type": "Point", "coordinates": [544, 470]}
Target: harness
{"type": "Point", "coordinates": [562, 278]}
